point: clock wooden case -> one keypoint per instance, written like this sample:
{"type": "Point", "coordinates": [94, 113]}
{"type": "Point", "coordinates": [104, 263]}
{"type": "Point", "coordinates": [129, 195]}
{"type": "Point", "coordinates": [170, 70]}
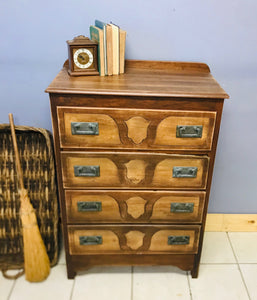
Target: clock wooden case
{"type": "Point", "coordinates": [83, 59]}
{"type": "Point", "coordinates": [135, 155]}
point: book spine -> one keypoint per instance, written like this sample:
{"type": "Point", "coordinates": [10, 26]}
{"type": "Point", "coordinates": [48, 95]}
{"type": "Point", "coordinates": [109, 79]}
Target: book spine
{"type": "Point", "coordinates": [116, 48]}
{"type": "Point", "coordinates": [109, 49]}
{"type": "Point", "coordinates": [122, 50]}
{"type": "Point", "coordinates": [105, 50]}
{"type": "Point", "coordinates": [113, 44]}
{"type": "Point", "coordinates": [102, 26]}
{"type": "Point", "coordinates": [96, 34]}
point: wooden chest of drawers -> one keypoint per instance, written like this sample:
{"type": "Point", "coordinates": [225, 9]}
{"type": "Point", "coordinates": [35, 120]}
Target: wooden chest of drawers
{"type": "Point", "coordinates": [135, 156]}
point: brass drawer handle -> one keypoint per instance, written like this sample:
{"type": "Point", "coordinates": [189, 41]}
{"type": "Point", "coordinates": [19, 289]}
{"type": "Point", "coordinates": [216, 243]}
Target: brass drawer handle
{"type": "Point", "coordinates": [87, 171]}
{"type": "Point", "coordinates": [90, 240]}
{"type": "Point", "coordinates": [178, 239]}
{"type": "Point", "coordinates": [182, 207]}
{"type": "Point", "coordinates": [184, 172]}
{"type": "Point", "coordinates": [84, 128]}
{"type": "Point", "coordinates": [189, 131]}
{"type": "Point", "coordinates": [88, 206]}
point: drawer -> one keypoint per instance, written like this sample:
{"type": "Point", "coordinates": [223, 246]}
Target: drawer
{"type": "Point", "coordinates": [135, 128]}
{"type": "Point", "coordinates": [107, 239]}
{"type": "Point", "coordinates": [110, 206]}
{"type": "Point", "coordinates": [133, 170]}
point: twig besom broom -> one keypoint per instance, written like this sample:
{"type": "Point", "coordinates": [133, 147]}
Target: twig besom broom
{"type": "Point", "coordinates": [36, 260]}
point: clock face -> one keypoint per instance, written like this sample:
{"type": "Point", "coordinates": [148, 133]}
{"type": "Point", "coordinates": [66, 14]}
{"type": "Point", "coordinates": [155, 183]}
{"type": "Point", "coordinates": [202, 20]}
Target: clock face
{"type": "Point", "coordinates": [83, 58]}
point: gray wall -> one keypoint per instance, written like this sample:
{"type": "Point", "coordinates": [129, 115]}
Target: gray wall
{"type": "Point", "coordinates": [222, 34]}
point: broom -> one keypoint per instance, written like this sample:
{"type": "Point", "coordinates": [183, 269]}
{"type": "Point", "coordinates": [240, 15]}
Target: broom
{"type": "Point", "coordinates": [36, 260]}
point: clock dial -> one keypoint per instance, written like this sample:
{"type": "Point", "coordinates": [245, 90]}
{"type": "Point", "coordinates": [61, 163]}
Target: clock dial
{"type": "Point", "coordinates": [83, 58]}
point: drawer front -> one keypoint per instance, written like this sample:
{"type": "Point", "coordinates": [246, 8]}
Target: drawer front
{"type": "Point", "coordinates": [132, 129]}
{"type": "Point", "coordinates": [133, 206]}
{"type": "Point", "coordinates": [132, 170]}
{"type": "Point", "coordinates": [132, 239]}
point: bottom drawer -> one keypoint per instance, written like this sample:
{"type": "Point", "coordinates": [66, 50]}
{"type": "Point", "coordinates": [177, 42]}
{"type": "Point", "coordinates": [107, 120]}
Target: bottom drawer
{"type": "Point", "coordinates": [102, 239]}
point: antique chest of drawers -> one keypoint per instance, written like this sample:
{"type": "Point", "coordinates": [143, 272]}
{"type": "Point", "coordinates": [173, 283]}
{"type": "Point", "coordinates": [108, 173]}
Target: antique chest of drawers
{"type": "Point", "coordinates": [135, 156]}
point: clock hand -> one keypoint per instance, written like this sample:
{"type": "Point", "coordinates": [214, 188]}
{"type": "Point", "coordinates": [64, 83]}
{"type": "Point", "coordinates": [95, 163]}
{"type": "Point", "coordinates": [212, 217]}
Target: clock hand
{"type": "Point", "coordinates": [82, 57]}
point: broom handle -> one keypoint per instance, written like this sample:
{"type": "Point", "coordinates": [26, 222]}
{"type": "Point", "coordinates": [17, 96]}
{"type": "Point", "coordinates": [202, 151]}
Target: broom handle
{"type": "Point", "coordinates": [16, 152]}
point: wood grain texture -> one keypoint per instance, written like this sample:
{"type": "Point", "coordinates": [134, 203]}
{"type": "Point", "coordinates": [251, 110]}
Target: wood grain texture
{"type": "Point", "coordinates": [133, 206]}
{"type": "Point", "coordinates": [110, 241]}
{"type": "Point", "coordinates": [84, 262]}
{"type": "Point", "coordinates": [136, 207]}
{"type": "Point", "coordinates": [159, 240]}
{"type": "Point", "coordinates": [136, 238]}
{"type": "Point", "coordinates": [135, 159]}
{"type": "Point", "coordinates": [166, 79]}
{"type": "Point", "coordinates": [231, 222]}
{"type": "Point", "coordinates": [133, 170]}
{"type": "Point", "coordinates": [136, 129]}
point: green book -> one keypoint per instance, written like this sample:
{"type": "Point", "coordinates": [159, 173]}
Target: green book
{"type": "Point", "coordinates": [96, 34]}
{"type": "Point", "coordinates": [102, 25]}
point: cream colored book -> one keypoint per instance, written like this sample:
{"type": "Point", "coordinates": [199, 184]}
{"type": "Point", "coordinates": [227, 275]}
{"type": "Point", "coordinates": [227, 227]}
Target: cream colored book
{"type": "Point", "coordinates": [122, 50]}
{"type": "Point", "coordinates": [109, 50]}
{"type": "Point", "coordinates": [116, 48]}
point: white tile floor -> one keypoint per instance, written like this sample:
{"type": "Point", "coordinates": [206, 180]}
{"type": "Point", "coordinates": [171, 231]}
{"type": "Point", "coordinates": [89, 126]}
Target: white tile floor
{"type": "Point", "coordinates": [228, 271]}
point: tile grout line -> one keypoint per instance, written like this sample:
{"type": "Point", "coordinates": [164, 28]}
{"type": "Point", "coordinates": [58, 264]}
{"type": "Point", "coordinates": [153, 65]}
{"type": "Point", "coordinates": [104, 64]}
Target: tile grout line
{"type": "Point", "coordinates": [217, 263]}
{"type": "Point", "coordinates": [10, 293]}
{"type": "Point", "coordinates": [132, 282]}
{"type": "Point", "coordinates": [72, 289]}
{"type": "Point", "coordinates": [234, 253]}
{"type": "Point", "coordinates": [238, 265]}
{"type": "Point", "coordinates": [189, 286]}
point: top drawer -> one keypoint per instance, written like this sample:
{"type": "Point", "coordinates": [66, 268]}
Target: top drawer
{"type": "Point", "coordinates": [135, 128]}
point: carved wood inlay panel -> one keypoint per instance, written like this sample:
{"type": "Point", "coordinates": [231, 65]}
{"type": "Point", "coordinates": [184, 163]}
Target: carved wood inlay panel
{"type": "Point", "coordinates": [136, 206]}
{"type": "Point", "coordinates": [167, 130]}
{"type": "Point", "coordinates": [127, 128]}
{"type": "Point", "coordinates": [110, 241]}
{"type": "Point", "coordinates": [109, 209]}
{"type": "Point", "coordinates": [145, 170]}
{"type": "Point", "coordinates": [108, 130]}
{"type": "Point", "coordinates": [159, 241]}
{"type": "Point", "coordinates": [103, 239]}
{"type": "Point", "coordinates": [137, 129]}
{"type": "Point", "coordinates": [135, 239]}
{"type": "Point", "coordinates": [136, 170]}
{"type": "Point", "coordinates": [130, 206]}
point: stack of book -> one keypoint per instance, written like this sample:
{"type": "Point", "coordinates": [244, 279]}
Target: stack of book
{"type": "Point", "coordinates": [111, 47]}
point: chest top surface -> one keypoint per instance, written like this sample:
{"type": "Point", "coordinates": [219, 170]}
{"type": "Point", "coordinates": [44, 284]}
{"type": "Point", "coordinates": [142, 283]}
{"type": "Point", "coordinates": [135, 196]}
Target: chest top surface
{"type": "Point", "coordinates": [145, 78]}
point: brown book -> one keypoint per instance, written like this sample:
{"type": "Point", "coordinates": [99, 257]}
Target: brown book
{"type": "Point", "coordinates": [109, 49]}
{"type": "Point", "coordinates": [122, 50]}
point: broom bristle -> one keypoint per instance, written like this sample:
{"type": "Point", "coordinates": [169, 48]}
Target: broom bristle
{"type": "Point", "coordinates": [36, 260]}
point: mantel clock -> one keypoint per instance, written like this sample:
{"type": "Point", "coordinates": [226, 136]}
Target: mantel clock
{"type": "Point", "coordinates": [82, 56]}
